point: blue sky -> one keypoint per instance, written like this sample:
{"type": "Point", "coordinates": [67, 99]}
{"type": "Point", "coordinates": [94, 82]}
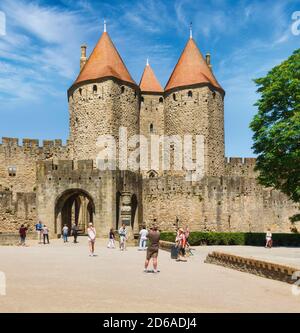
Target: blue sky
{"type": "Point", "coordinates": [39, 55]}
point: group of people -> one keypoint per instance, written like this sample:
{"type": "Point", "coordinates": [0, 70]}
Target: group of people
{"type": "Point", "coordinates": [151, 237]}
{"type": "Point", "coordinates": [41, 230]}
{"type": "Point", "coordinates": [66, 232]}
{"type": "Point", "coordinates": [123, 237]}
{"type": "Point", "coordinates": [182, 243]}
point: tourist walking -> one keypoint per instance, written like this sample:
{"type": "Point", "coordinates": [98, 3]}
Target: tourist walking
{"type": "Point", "coordinates": [143, 238]}
{"type": "Point", "coordinates": [181, 244]}
{"type": "Point", "coordinates": [123, 237]}
{"type": "Point", "coordinates": [22, 232]}
{"type": "Point", "coordinates": [111, 239]}
{"type": "Point", "coordinates": [188, 250]}
{"type": "Point", "coordinates": [269, 241]}
{"type": "Point", "coordinates": [39, 229]}
{"type": "Point", "coordinates": [187, 234]}
{"type": "Point", "coordinates": [75, 232]}
{"type": "Point", "coordinates": [65, 232]}
{"type": "Point", "coordinates": [152, 250]}
{"type": "Point", "coordinates": [45, 234]}
{"type": "Point", "coordinates": [91, 231]}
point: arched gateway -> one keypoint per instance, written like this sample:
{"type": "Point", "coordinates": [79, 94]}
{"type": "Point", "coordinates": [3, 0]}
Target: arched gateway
{"type": "Point", "coordinates": [74, 206]}
{"type": "Point", "coordinates": [79, 193]}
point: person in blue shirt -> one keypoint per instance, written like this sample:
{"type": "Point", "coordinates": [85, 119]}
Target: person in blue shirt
{"type": "Point", "coordinates": [39, 228]}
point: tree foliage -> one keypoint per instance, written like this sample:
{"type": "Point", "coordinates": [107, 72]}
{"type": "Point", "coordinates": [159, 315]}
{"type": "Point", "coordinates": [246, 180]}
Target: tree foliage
{"type": "Point", "coordinates": [276, 127]}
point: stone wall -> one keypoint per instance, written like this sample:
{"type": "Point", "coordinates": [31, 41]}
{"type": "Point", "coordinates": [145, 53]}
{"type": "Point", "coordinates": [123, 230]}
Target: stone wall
{"type": "Point", "coordinates": [100, 108]}
{"type": "Point", "coordinates": [57, 183]}
{"type": "Point", "coordinates": [242, 167]}
{"type": "Point", "coordinates": [216, 204]}
{"type": "Point", "coordinates": [151, 123]}
{"type": "Point", "coordinates": [14, 212]}
{"type": "Point", "coordinates": [198, 110]}
{"type": "Point", "coordinates": [18, 162]}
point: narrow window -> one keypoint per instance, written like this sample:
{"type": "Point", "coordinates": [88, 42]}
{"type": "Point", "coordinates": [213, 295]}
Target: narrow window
{"type": "Point", "coordinates": [95, 89]}
{"type": "Point", "coordinates": [151, 128]}
{"type": "Point", "coordinates": [214, 95]}
{"type": "Point", "coordinates": [190, 94]}
{"type": "Point", "coordinates": [122, 89]}
{"type": "Point", "coordinates": [12, 171]}
{"type": "Point", "coordinates": [80, 91]}
{"type": "Point", "coordinates": [174, 97]}
{"type": "Point", "coordinates": [142, 99]}
{"type": "Point", "coordinates": [161, 100]}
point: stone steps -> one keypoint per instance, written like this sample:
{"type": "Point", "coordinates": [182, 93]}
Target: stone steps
{"type": "Point", "coordinates": [254, 266]}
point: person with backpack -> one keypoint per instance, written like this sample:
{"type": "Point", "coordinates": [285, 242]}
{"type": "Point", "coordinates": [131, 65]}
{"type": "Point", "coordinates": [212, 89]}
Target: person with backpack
{"type": "Point", "coordinates": [65, 232]}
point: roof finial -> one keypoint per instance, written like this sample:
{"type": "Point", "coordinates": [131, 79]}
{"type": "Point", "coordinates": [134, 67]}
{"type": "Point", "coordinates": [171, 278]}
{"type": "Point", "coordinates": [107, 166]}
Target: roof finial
{"type": "Point", "coordinates": [191, 30]}
{"type": "Point", "coordinates": [147, 63]}
{"type": "Point", "coordinates": [104, 26]}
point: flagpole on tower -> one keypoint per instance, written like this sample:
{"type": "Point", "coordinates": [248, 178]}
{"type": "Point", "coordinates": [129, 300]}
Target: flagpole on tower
{"type": "Point", "coordinates": [191, 30]}
{"type": "Point", "coordinates": [104, 26]}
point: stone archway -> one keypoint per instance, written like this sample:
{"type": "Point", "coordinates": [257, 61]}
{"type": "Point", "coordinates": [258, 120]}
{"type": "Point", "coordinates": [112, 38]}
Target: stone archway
{"type": "Point", "coordinates": [74, 206]}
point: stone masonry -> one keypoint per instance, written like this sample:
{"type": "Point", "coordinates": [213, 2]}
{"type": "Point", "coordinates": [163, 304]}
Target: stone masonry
{"type": "Point", "coordinates": [62, 185]}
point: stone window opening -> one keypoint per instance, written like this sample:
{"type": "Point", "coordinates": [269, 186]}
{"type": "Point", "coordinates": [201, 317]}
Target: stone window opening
{"type": "Point", "coordinates": [174, 97]}
{"type": "Point", "coordinates": [190, 94]}
{"type": "Point", "coordinates": [80, 91]}
{"type": "Point", "coordinates": [94, 89]}
{"type": "Point", "coordinates": [122, 90]}
{"type": "Point", "coordinates": [152, 174]}
{"type": "Point", "coordinates": [151, 128]}
{"type": "Point", "coordinates": [214, 94]}
{"type": "Point", "coordinates": [142, 99]}
{"type": "Point", "coordinates": [161, 100]}
{"type": "Point", "coordinates": [12, 171]}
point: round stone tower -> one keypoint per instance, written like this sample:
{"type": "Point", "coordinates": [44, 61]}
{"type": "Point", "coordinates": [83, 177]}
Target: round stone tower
{"type": "Point", "coordinates": [194, 106]}
{"type": "Point", "coordinates": [151, 115]}
{"type": "Point", "coordinates": [103, 98]}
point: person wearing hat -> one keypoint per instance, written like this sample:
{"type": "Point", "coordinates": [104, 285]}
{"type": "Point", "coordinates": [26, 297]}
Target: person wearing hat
{"type": "Point", "coordinates": [91, 231]}
{"type": "Point", "coordinates": [181, 243]}
{"type": "Point", "coordinates": [152, 250]}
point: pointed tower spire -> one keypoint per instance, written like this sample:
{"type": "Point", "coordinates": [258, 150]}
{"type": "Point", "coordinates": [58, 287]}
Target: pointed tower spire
{"type": "Point", "coordinates": [191, 30]}
{"type": "Point", "coordinates": [104, 61]}
{"type": "Point", "coordinates": [191, 69]}
{"type": "Point", "coordinates": [149, 82]}
{"type": "Point", "coordinates": [104, 28]}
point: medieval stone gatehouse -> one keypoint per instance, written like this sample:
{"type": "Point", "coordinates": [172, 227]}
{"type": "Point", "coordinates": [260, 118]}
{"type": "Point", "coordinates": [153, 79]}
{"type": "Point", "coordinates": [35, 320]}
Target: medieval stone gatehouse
{"type": "Point", "coordinates": [62, 184]}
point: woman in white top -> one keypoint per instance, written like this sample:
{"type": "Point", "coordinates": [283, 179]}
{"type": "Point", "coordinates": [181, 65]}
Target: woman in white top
{"type": "Point", "coordinates": [91, 231]}
{"type": "Point", "coordinates": [269, 238]}
{"type": "Point", "coordinates": [143, 238]}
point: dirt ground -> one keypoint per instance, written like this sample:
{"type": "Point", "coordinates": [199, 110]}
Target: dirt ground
{"type": "Point", "coordinates": [63, 278]}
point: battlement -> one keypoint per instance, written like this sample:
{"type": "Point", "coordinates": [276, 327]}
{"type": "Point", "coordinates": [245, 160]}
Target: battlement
{"type": "Point", "coordinates": [31, 143]}
{"type": "Point", "coordinates": [250, 161]}
{"type": "Point", "coordinates": [238, 166]}
{"type": "Point", "coordinates": [63, 168]}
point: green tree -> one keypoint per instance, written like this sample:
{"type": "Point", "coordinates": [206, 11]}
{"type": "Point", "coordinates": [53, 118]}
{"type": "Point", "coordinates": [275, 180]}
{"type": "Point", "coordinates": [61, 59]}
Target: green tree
{"type": "Point", "coordinates": [276, 127]}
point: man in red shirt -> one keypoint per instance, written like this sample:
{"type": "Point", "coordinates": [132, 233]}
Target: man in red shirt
{"type": "Point", "coordinates": [22, 232]}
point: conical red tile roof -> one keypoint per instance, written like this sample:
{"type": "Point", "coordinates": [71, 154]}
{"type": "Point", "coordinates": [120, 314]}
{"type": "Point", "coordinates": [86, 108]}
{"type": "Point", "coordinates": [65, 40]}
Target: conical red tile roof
{"type": "Point", "coordinates": [149, 82]}
{"type": "Point", "coordinates": [104, 61]}
{"type": "Point", "coordinates": [191, 69]}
